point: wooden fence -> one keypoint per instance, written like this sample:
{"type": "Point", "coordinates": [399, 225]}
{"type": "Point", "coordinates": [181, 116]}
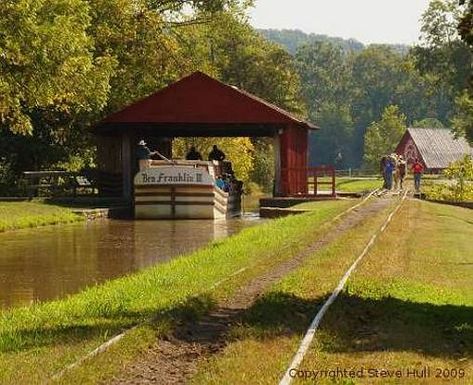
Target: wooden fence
{"type": "Point", "coordinates": [311, 181]}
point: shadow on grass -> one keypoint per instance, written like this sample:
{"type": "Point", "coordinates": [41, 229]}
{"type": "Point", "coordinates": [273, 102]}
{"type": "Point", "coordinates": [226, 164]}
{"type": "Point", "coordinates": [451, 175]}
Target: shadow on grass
{"type": "Point", "coordinates": [355, 324]}
{"type": "Point", "coordinates": [352, 324]}
{"type": "Point", "coordinates": [103, 326]}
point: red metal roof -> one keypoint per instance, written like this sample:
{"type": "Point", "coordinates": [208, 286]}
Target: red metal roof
{"type": "Point", "coordinates": [201, 99]}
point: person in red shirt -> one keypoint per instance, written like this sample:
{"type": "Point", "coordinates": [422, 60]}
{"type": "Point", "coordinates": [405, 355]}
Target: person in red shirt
{"type": "Point", "coordinates": [417, 169]}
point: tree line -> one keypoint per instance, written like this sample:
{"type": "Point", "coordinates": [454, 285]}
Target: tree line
{"type": "Point", "coordinates": [365, 98]}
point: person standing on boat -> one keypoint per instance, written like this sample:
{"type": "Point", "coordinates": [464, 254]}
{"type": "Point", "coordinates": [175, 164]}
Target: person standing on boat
{"type": "Point", "coordinates": [144, 154]}
{"type": "Point", "coordinates": [193, 154]}
{"type": "Point", "coordinates": [216, 154]}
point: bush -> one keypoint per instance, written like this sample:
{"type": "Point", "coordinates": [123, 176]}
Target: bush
{"type": "Point", "coordinates": [8, 179]}
{"type": "Point", "coordinates": [461, 188]}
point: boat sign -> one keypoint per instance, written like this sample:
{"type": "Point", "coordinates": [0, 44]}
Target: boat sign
{"type": "Point", "coordinates": [173, 175]}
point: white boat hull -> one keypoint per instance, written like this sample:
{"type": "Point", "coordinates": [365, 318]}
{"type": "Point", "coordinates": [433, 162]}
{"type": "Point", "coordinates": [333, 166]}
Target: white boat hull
{"type": "Point", "coordinates": [182, 200]}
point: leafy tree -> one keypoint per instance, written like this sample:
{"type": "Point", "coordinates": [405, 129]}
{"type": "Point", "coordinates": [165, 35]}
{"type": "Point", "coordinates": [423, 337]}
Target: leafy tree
{"type": "Point", "coordinates": [443, 58]}
{"type": "Point", "coordinates": [332, 144]}
{"type": "Point", "coordinates": [462, 121]}
{"type": "Point", "coordinates": [376, 75]}
{"type": "Point", "coordinates": [47, 64]}
{"type": "Point", "coordinates": [439, 23]}
{"type": "Point", "coordinates": [383, 136]}
{"type": "Point", "coordinates": [324, 74]}
{"type": "Point", "coordinates": [461, 172]}
{"type": "Point", "coordinates": [465, 26]}
{"type": "Point", "coordinates": [428, 123]}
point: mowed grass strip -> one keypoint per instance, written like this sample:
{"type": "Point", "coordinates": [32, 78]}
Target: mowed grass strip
{"type": "Point", "coordinates": [41, 340]}
{"type": "Point", "coordinates": [19, 215]}
{"type": "Point", "coordinates": [262, 347]}
{"type": "Point", "coordinates": [408, 307]}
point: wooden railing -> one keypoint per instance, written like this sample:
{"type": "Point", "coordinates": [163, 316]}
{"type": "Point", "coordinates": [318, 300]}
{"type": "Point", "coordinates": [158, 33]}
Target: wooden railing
{"type": "Point", "coordinates": [307, 181]}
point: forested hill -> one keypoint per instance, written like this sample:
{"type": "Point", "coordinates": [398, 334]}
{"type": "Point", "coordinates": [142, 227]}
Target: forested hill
{"type": "Point", "coordinates": [292, 39]}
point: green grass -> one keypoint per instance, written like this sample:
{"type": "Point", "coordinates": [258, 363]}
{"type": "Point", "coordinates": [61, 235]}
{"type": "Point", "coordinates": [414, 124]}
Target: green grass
{"type": "Point", "coordinates": [38, 341]}
{"type": "Point", "coordinates": [347, 184]}
{"type": "Point", "coordinates": [357, 184]}
{"type": "Point", "coordinates": [409, 304]}
{"type": "Point", "coordinates": [19, 215]}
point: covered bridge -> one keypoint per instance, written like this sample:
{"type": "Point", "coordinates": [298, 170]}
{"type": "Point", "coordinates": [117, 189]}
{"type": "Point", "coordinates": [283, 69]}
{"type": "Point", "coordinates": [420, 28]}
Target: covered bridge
{"type": "Point", "coordinates": [436, 148]}
{"type": "Point", "coordinates": [199, 106]}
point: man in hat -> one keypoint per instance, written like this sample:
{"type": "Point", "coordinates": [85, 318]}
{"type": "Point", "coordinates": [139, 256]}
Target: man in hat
{"type": "Point", "coordinates": [144, 154]}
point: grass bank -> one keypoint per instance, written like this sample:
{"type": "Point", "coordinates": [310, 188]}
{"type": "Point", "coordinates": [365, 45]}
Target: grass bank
{"type": "Point", "coordinates": [38, 341]}
{"type": "Point", "coordinates": [19, 215]}
{"type": "Point", "coordinates": [408, 305]}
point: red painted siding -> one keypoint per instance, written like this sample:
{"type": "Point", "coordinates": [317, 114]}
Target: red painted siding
{"type": "Point", "coordinates": [294, 146]}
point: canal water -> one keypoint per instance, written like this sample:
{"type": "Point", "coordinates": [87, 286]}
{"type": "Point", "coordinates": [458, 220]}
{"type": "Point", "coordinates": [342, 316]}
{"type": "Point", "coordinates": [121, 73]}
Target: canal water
{"type": "Point", "coordinates": [51, 262]}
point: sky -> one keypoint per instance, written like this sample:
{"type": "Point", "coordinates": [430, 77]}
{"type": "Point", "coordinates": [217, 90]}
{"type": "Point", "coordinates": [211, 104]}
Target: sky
{"type": "Point", "coordinates": [369, 21]}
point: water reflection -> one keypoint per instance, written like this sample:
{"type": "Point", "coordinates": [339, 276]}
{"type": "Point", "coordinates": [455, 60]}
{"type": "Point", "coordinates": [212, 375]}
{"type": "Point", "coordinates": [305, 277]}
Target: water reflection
{"type": "Point", "coordinates": [51, 262]}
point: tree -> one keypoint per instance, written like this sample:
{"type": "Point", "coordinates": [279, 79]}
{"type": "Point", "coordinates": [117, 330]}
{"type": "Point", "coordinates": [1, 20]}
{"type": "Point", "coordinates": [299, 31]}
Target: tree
{"type": "Point", "coordinates": [443, 58]}
{"type": "Point", "coordinates": [461, 172]}
{"type": "Point", "coordinates": [383, 136]}
{"type": "Point", "coordinates": [324, 74]}
{"type": "Point", "coordinates": [47, 64]}
{"type": "Point", "coordinates": [439, 23]}
{"type": "Point", "coordinates": [377, 73]}
{"type": "Point", "coordinates": [462, 122]}
{"type": "Point", "coordinates": [428, 123]}
{"type": "Point", "coordinates": [332, 144]}
{"type": "Point", "coordinates": [465, 25]}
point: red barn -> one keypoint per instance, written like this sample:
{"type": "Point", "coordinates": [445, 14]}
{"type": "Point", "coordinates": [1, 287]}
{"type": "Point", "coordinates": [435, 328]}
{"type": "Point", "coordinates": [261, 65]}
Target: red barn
{"type": "Point", "coordinates": [436, 148]}
{"type": "Point", "coordinates": [200, 106]}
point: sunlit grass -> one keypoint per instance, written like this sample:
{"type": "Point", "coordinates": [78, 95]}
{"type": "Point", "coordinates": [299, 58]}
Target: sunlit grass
{"type": "Point", "coordinates": [18, 215]}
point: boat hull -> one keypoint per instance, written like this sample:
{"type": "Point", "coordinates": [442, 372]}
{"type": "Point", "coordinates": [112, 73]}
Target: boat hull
{"type": "Point", "coordinates": [182, 193]}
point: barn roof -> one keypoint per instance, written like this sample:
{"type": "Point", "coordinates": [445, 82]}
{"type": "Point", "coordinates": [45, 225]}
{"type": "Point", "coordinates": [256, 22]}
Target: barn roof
{"type": "Point", "coordinates": [199, 99]}
{"type": "Point", "coordinates": [438, 147]}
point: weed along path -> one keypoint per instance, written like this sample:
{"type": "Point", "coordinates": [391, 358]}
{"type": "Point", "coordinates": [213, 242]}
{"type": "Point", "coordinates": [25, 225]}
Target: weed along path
{"type": "Point", "coordinates": [176, 358]}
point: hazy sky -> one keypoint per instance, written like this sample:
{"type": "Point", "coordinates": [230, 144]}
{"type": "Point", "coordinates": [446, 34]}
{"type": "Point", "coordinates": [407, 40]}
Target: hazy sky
{"type": "Point", "coordinates": [369, 21]}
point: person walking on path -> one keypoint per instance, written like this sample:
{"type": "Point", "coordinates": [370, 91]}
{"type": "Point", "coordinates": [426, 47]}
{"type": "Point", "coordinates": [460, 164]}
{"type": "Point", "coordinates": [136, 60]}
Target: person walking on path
{"type": "Point", "coordinates": [396, 176]}
{"type": "Point", "coordinates": [417, 169]}
{"type": "Point", "coordinates": [388, 171]}
{"type": "Point", "coordinates": [402, 171]}
{"type": "Point", "coordinates": [382, 170]}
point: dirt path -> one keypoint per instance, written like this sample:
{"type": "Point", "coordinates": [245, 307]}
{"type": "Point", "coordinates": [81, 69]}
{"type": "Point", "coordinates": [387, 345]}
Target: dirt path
{"type": "Point", "coordinates": [175, 360]}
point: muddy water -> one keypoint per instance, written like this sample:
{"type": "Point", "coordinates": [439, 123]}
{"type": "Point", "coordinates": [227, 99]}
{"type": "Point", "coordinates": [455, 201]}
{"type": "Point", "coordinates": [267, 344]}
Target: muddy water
{"type": "Point", "coordinates": [51, 262]}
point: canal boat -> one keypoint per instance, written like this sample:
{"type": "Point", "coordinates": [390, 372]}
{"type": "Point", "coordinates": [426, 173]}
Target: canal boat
{"type": "Point", "coordinates": [186, 189]}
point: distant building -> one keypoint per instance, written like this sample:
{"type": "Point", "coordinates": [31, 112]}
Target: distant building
{"type": "Point", "coordinates": [436, 148]}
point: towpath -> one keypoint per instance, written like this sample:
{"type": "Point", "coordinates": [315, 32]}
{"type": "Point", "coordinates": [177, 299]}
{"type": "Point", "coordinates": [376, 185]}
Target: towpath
{"type": "Point", "coordinates": [175, 359]}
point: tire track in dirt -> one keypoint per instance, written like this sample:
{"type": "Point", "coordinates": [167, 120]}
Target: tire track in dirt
{"type": "Point", "coordinates": [175, 359]}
